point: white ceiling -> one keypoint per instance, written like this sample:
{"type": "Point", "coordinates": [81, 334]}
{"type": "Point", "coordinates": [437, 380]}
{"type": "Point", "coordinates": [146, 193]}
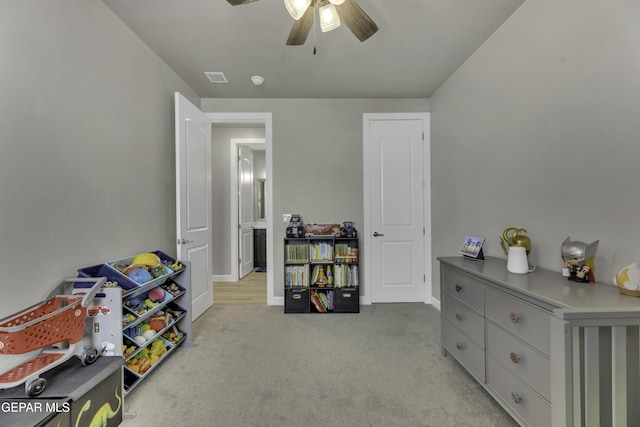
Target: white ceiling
{"type": "Point", "coordinates": [420, 43]}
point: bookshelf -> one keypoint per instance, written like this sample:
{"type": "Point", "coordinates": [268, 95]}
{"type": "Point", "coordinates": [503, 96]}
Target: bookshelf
{"type": "Point", "coordinates": [321, 275]}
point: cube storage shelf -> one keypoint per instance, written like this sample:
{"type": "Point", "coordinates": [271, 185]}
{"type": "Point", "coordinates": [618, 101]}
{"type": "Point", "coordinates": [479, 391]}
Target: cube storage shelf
{"type": "Point", "coordinates": [321, 275]}
{"type": "Point", "coordinates": [169, 319]}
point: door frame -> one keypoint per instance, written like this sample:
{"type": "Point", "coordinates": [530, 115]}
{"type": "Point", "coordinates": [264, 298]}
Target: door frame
{"type": "Point", "coordinates": [264, 119]}
{"type": "Point", "coordinates": [426, 188]}
{"type": "Point", "coordinates": [233, 187]}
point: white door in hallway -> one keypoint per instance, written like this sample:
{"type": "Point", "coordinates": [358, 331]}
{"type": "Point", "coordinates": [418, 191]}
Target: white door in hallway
{"type": "Point", "coordinates": [245, 210]}
{"type": "Point", "coordinates": [397, 229]}
{"type": "Point", "coordinates": [193, 200]}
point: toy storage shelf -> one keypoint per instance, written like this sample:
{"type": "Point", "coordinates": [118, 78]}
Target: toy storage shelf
{"type": "Point", "coordinates": [321, 275]}
{"type": "Point", "coordinates": [173, 312]}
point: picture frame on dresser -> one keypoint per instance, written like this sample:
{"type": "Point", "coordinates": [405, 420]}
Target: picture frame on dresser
{"type": "Point", "coordinates": [472, 248]}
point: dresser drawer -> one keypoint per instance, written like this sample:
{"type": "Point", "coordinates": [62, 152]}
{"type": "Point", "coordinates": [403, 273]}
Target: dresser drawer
{"type": "Point", "coordinates": [466, 320]}
{"type": "Point", "coordinates": [529, 323]}
{"type": "Point", "coordinates": [521, 359]}
{"type": "Point", "coordinates": [464, 288]}
{"type": "Point", "coordinates": [467, 352]}
{"type": "Point", "coordinates": [526, 405]}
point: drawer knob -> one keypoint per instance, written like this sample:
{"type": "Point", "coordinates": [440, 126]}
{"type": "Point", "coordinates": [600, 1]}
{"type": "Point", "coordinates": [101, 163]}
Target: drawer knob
{"type": "Point", "coordinates": [458, 317]}
{"type": "Point", "coordinates": [458, 288]}
{"type": "Point", "coordinates": [516, 399]}
{"type": "Point", "coordinates": [459, 345]}
{"type": "Point", "coordinates": [514, 357]}
{"type": "Point", "coordinates": [513, 317]}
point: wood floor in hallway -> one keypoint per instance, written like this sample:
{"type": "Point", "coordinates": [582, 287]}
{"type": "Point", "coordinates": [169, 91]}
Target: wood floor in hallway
{"type": "Point", "coordinates": [251, 289]}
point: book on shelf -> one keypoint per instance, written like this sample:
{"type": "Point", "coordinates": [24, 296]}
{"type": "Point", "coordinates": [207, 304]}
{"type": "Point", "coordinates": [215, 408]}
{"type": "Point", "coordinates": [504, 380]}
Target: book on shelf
{"type": "Point", "coordinates": [296, 276]}
{"type": "Point", "coordinates": [321, 251]}
{"type": "Point", "coordinates": [345, 254]}
{"type": "Point", "coordinates": [345, 276]}
{"type": "Point", "coordinates": [297, 253]}
{"type": "Point", "coordinates": [323, 301]}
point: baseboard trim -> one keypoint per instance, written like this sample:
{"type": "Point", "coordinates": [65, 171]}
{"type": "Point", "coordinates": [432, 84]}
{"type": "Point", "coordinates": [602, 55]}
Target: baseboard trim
{"type": "Point", "coordinates": [280, 301]}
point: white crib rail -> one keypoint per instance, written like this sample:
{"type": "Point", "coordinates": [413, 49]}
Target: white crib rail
{"type": "Point", "coordinates": [595, 368]}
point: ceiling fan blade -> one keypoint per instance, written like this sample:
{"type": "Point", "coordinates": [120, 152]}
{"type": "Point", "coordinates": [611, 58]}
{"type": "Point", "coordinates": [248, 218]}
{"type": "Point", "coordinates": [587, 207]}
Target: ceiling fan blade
{"type": "Point", "coordinates": [360, 24]}
{"type": "Point", "coordinates": [301, 28]}
{"type": "Point", "coordinates": [240, 2]}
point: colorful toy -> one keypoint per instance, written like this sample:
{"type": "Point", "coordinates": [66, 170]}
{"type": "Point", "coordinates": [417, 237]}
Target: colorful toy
{"type": "Point", "coordinates": [29, 339]}
{"type": "Point", "coordinates": [172, 288]}
{"type": "Point", "coordinates": [628, 280]}
{"type": "Point", "coordinates": [348, 229]}
{"type": "Point", "coordinates": [173, 335]}
{"type": "Point", "coordinates": [578, 258]}
{"type": "Point", "coordinates": [138, 275]}
{"type": "Point", "coordinates": [159, 321]}
{"type": "Point", "coordinates": [295, 227]}
{"type": "Point", "coordinates": [176, 266]}
{"type": "Point", "coordinates": [147, 258]}
{"type": "Point", "coordinates": [156, 294]}
{"type": "Point", "coordinates": [147, 357]}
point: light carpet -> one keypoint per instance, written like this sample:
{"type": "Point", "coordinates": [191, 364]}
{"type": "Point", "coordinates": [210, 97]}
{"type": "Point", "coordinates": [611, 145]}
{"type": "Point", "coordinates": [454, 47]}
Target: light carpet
{"type": "Point", "coordinates": [256, 366]}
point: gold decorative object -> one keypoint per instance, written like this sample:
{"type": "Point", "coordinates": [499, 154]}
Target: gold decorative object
{"type": "Point", "coordinates": [512, 237]}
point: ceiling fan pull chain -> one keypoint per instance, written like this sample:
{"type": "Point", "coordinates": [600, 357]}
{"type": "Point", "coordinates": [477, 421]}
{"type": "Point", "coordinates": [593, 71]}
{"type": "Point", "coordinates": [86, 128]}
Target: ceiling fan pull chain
{"type": "Point", "coordinates": [315, 12]}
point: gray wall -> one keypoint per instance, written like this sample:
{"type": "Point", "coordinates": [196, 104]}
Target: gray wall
{"type": "Point", "coordinates": [539, 129]}
{"type": "Point", "coordinates": [317, 157]}
{"type": "Point", "coordinates": [87, 157]}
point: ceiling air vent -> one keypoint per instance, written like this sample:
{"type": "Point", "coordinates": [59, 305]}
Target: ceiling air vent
{"type": "Point", "coordinates": [216, 77]}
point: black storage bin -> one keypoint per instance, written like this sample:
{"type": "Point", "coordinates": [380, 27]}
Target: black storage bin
{"type": "Point", "coordinates": [296, 301]}
{"type": "Point", "coordinates": [347, 300]}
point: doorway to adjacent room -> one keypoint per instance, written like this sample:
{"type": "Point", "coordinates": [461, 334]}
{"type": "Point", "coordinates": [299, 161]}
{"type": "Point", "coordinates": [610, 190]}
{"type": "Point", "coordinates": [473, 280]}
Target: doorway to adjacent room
{"type": "Point", "coordinates": [227, 253]}
{"type": "Point", "coordinates": [250, 290]}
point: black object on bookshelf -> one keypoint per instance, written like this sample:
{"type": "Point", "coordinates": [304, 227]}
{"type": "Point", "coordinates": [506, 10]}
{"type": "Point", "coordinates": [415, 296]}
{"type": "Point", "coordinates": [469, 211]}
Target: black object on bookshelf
{"type": "Point", "coordinates": [321, 275]}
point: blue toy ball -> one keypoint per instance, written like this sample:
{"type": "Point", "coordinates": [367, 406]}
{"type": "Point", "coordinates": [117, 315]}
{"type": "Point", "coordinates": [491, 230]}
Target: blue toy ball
{"type": "Point", "coordinates": [140, 275]}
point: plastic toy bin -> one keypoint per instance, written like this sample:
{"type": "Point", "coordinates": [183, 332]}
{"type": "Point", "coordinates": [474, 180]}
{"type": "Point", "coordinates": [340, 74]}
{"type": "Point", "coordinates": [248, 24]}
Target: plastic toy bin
{"type": "Point", "coordinates": [101, 270]}
{"type": "Point", "coordinates": [113, 275]}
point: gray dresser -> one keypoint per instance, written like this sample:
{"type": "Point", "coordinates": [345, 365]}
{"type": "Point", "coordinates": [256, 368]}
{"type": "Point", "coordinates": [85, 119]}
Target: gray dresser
{"type": "Point", "coordinates": [497, 325]}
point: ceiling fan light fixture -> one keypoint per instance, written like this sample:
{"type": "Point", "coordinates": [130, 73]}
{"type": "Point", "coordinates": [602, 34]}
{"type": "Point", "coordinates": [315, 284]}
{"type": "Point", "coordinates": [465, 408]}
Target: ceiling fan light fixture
{"type": "Point", "coordinates": [329, 19]}
{"type": "Point", "coordinates": [337, 2]}
{"type": "Point", "coordinates": [297, 8]}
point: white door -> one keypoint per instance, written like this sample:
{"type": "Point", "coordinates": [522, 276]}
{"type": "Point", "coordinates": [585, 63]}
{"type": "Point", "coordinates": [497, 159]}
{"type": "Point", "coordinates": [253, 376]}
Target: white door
{"type": "Point", "coordinates": [245, 210]}
{"type": "Point", "coordinates": [397, 229]}
{"type": "Point", "coordinates": [193, 200]}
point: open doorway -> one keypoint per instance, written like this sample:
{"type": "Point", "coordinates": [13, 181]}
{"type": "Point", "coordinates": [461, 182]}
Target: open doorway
{"type": "Point", "coordinates": [248, 210]}
{"type": "Point", "coordinates": [253, 128]}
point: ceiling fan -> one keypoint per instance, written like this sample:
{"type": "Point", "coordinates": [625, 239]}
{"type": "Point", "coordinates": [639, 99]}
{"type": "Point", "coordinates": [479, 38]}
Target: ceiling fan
{"type": "Point", "coordinates": [331, 14]}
